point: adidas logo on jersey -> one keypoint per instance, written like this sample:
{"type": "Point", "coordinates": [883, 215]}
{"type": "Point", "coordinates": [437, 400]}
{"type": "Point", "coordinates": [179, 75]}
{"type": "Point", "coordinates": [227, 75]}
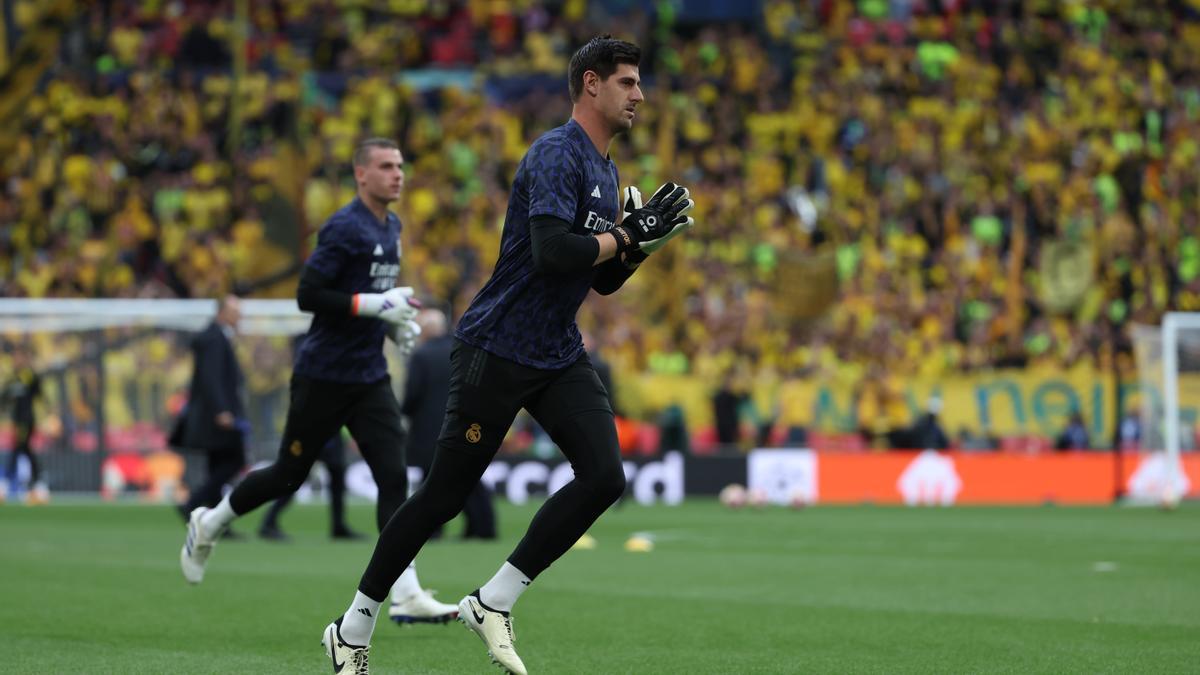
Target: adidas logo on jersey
{"type": "Point", "coordinates": [378, 249]}
{"type": "Point", "coordinates": [596, 192]}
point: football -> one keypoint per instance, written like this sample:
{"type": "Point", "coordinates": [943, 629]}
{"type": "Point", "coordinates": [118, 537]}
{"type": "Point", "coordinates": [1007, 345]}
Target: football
{"type": "Point", "coordinates": [757, 497]}
{"type": "Point", "coordinates": [798, 499]}
{"type": "Point", "coordinates": [733, 496]}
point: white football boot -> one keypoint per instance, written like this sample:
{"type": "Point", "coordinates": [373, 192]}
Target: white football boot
{"type": "Point", "coordinates": [196, 548]}
{"type": "Point", "coordinates": [495, 629]}
{"type": "Point", "coordinates": [421, 608]}
{"type": "Point", "coordinates": [347, 659]}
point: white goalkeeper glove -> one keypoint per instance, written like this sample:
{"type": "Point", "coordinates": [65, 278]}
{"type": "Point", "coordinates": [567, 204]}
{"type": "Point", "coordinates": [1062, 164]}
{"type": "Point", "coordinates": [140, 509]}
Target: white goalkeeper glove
{"type": "Point", "coordinates": [405, 336]}
{"type": "Point", "coordinates": [395, 306]}
{"type": "Point", "coordinates": [632, 201]}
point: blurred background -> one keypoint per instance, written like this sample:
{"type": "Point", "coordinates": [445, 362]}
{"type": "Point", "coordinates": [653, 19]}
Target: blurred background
{"type": "Point", "coordinates": [946, 225]}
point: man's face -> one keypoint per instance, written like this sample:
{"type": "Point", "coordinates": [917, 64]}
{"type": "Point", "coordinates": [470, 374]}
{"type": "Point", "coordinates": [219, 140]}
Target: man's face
{"type": "Point", "coordinates": [231, 312]}
{"type": "Point", "coordinates": [618, 97]}
{"type": "Point", "coordinates": [383, 176]}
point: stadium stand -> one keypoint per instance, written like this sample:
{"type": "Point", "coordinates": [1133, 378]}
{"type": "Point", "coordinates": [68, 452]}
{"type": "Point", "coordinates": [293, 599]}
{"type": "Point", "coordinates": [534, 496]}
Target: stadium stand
{"type": "Point", "coordinates": [886, 191]}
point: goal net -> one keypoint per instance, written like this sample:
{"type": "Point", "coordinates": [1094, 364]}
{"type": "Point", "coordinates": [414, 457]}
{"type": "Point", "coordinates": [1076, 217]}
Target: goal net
{"type": "Point", "coordinates": [115, 374]}
{"type": "Point", "coordinates": [1168, 400]}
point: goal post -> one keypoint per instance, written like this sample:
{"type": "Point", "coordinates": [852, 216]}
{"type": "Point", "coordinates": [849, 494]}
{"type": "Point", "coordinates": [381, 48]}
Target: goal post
{"type": "Point", "coordinates": [21, 316]}
{"type": "Point", "coordinates": [1168, 364]}
{"type": "Point", "coordinates": [1180, 332]}
{"type": "Point", "coordinates": [115, 373]}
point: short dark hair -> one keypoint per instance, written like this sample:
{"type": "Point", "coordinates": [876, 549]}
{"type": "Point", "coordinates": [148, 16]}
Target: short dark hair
{"type": "Point", "coordinates": [363, 152]}
{"type": "Point", "coordinates": [600, 55]}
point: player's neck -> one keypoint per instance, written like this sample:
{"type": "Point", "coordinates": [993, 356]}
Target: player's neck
{"type": "Point", "coordinates": [375, 206]}
{"type": "Point", "coordinates": [594, 127]}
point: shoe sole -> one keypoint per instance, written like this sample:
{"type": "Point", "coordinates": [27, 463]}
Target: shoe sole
{"type": "Point", "coordinates": [476, 634]}
{"type": "Point", "coordinates": [192, 534]}
{"type": "Point", "coordinates": [183, 562]}
{"type": "Point", "coordinates": [327, 642]}
{"type": "Point", "coordinates": [405, 620]}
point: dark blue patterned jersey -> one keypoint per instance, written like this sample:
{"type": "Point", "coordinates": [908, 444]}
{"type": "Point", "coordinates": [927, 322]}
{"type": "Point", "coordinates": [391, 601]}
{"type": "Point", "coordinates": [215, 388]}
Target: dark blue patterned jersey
{"type": "Point", "coordinates": [528, 316]}
{"type": "Point", "coordinates": [358, 254]}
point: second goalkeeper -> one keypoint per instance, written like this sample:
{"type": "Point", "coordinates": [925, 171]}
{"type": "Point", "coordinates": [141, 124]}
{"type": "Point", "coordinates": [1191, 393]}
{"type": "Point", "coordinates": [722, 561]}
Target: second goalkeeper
{"type": "Point", "coordinates": [340, 376]}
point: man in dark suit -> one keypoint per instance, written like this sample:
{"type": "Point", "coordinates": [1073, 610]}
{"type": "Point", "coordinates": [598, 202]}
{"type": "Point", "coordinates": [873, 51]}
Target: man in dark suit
{"type": "Point", "coordinates": [213, 422]}
{"type": "Point", "coordinates": [22, 392]}
{"type": "Point", "coordinates": [426, 388]}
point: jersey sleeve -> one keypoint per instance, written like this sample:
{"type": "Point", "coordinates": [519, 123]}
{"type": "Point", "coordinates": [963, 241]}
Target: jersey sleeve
{"type": "Point", "coordinates": [334, 247]}
{"type": "Point", "coordinates": [553, 178]}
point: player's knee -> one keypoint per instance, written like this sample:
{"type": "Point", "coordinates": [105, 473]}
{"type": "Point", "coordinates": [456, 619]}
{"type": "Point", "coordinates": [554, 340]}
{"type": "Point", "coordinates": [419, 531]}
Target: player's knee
{"type": "Point", "coordinates": [607, 485]}
{"type": "Point", "coordinates": [291, 476]}
{"type": "Point", "coordinates": [393, 486]}
{"type": "Point", "coordinates": [441, 506]}
{"type": "Point", "coordinates": [443, 515]}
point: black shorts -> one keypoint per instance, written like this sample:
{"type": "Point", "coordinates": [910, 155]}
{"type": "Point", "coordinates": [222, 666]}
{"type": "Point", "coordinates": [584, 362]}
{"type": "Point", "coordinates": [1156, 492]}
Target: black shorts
{"type": "Point", "coordinates": [320, 408]}
{"type": "Point", "coordinates": [487, 391]}
{"type": "Point", "coordinates": [317, 412]}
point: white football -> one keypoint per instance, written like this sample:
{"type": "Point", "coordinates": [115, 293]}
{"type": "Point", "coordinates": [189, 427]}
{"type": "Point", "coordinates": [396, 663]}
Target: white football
{"type": "Point", "coordinates": [798, 499]}
{"type": "Point", "coordinates": [733, 496]}
{"type": "Point", "coordinates": [757, 498]}
{"type": "Point", "coordinates": [1169, 500]}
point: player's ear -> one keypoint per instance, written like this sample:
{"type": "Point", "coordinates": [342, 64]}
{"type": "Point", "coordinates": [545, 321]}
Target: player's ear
{"type": "Point", "coordinates": [591, 82]}
{"type": "Point", "coordinates": [359, 172]}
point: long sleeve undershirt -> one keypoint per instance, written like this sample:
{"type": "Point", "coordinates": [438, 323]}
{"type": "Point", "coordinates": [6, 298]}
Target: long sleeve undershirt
{"type": "Point", "coordinates": [557, 251]}
{"type": "Point", "coordinates": [315, 295]}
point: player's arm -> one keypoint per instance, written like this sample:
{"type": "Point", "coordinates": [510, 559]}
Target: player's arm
{"type": "Point", "coordinates": [553, 188]}
{"type": "Point", "coordinates": [318, 294]}
{"type": "Point", "coordinates": [670, 204]}
{"type": "Point", "coordinates": [557, 250]}
{"type": "Point", "coordinates": [613, 274]}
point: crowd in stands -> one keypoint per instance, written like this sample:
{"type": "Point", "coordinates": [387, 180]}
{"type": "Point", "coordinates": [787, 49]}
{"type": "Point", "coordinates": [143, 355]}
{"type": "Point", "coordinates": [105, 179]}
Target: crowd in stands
{"type": "Point", "coordinates": [885, 189]}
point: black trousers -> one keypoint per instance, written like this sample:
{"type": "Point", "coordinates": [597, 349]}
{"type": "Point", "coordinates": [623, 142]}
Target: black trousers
{"type": "Point", "coordinates": [478, 512]}
{"type": "Point", "coordinates": [334, 459]}
{"type": "Point", "coordinates": [222, 466]}
{"type": "Point", "coordinates": [23, 433]}
{"type": "Point", "coordinates": [486, 392]}
{"type": "Point", "coordinates": [318, 410]}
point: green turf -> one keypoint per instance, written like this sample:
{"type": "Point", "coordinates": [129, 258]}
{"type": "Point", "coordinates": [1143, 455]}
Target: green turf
{"type": "Point", "coordinates": [97, 589]}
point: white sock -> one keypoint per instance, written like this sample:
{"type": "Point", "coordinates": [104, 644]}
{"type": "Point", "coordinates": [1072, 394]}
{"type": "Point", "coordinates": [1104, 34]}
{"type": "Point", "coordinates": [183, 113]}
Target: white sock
{"type": "Point", "coordinates": [218, 518]}
{"type": "Point", "coordinates": [407, 585]}
{"type": "Point", "coordinates": [502, 591]}
{"type": "Point", "coordinates": [359, 621]}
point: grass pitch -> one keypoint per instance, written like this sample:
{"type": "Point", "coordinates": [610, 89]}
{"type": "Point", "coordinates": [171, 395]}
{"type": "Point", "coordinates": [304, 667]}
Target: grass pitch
{"type": "Point", "coordinates": [90, 588]}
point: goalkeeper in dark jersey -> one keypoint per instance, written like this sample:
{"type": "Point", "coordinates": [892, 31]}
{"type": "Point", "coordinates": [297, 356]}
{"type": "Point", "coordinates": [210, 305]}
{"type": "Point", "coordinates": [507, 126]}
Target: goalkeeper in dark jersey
{"type": "Point", "coordinates": [340, 375]}
{"type": "Point", "coordinates": [518, 347]}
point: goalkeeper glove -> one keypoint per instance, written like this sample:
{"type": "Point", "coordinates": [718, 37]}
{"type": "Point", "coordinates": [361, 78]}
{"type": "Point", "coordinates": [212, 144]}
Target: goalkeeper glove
{"type": "Point", "coordinates": [653, 220]}
{"type": "Point", "coordinates": [405, 336]}
{"type": "Point", "coordinates": [633, 202]}
{"type": "Point", "coordinates": [394, 306]}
